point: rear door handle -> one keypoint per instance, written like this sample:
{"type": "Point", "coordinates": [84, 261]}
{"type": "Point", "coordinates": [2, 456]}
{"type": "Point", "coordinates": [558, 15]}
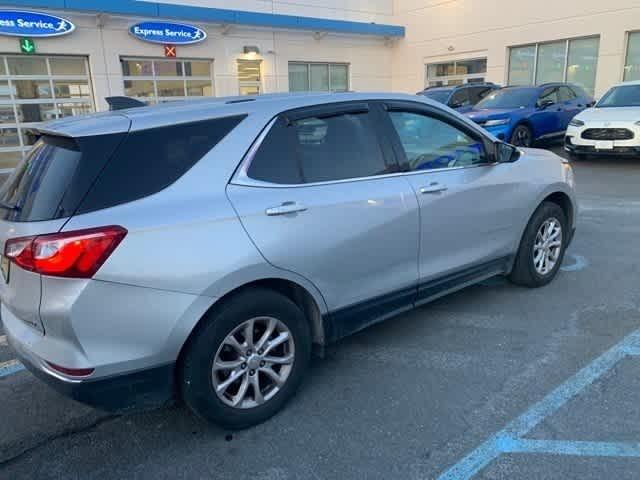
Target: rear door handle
{"type": "Point", "coordinates": [286, 207]}
{"type": "Point", "coordinates": [433, 188]}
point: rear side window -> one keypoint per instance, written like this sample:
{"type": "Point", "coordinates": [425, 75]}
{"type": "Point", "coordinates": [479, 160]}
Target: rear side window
{"type": "Point", "coordinates": [54, 177]}
{"type": "Point", "coordinates": [319, 150]}
{"type": "Point", "coordinates": [566, 94]}
{"type": "Point", "coordinates": [460, 98]}
{"type": "Point", "coordinates": [148, 161]}
{"type": "Point", "coordinates": [478, 93]}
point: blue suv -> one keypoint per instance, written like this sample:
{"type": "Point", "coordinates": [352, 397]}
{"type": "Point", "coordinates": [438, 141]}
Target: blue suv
{"type": "Point", "coordinates": [460, 97]}
{"type": "Point", "coordinates": [523, 115]}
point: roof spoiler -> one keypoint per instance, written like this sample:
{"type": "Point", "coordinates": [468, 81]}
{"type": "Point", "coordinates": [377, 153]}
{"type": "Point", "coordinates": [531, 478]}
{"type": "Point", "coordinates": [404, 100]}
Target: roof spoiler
{"type": "Point", "coordinates": [120, 103]}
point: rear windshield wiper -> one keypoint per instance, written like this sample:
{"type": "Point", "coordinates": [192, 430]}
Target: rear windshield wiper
{"type": "Point", "coordinates": [8, 206]}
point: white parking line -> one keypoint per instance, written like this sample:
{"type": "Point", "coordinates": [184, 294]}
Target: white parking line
{"type": "Point", "coordinates": [3, 340]}
{"type": "Point", "coordinates": [10, 367]}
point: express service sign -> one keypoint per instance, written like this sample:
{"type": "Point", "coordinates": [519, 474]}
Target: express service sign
{"type": "Point", "coordinates": [19, 23]}
{"type": "Point", "coordinates": [167, 33]}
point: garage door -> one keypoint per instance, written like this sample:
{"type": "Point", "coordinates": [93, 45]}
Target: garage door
{"type": "Point", "coordinates": [34, 89]}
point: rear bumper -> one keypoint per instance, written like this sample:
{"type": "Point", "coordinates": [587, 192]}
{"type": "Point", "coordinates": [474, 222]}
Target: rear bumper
{"type": "Point", "coordinates": [142, 389]}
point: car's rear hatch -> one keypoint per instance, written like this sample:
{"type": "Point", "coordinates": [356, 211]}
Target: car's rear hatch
{"type": "Point", "coordinates": [42, 193]}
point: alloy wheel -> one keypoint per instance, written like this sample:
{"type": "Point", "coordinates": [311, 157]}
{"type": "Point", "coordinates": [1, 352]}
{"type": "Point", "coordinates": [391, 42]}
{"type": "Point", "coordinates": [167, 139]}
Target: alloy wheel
{"type": "Point", "coordinates": [253, 363]}
{"type": "Point", "coordinates": [547, 246]}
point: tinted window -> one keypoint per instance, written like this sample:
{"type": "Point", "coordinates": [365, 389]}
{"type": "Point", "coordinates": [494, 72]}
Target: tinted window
{"type": "Point", "coordinates": [148, 161]}
{"type": "Point", "coordinates": [478, 93]}
{"type": "Point", "coordinates": [430, 143]}
{"type": "Point", "coordinates": [438, 95]}
{"type": "Point", "coordinates": [566, 94]}
{"type": "Point", "coordinates": [549, 94]}
{"type": "Point", "coordinates": [460, 98]}
{"type": "Point", "coordinates": [319, 150]}
{"type": "Point", "coordinates": [54, 177]}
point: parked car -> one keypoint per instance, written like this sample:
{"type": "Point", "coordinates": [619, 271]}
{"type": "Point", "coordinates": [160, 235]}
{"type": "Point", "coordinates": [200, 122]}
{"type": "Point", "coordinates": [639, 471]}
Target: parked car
{"type": "Point", "coordinates": [201, 249]}
{"type": "Point", "coordinates": [460, 97]}
{"type": "Point", "coordinates": [611, 128]}
{"type": "Point", "coordinates": [524, 115]}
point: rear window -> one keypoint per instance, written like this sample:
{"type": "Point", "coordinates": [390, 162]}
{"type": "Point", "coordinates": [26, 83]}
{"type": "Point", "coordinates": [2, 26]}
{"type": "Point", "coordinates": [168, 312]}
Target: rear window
{"type": "Point", "coordinates": [148, 161]}
{"type": "Point", "coordinates": [61, 176]}
{"type": "Point", "coordinates": [53, 178]}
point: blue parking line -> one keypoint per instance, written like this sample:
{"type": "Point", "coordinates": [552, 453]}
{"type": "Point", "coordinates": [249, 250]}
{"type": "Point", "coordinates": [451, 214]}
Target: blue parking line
{"type": "Point", "coordinates": [570, 447]}
{"type": "Point", "coordinates": [509, 437]}
{"type": "Point", "coordinates": [10, 367]}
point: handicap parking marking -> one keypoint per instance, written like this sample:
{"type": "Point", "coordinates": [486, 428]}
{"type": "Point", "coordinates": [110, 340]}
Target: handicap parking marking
{"type": "Point", "coordinates": [579, 263]}
{"type": "Point", "coordinates": [10, 367]}
{"type": "Point", "coordinates": [509, 439]}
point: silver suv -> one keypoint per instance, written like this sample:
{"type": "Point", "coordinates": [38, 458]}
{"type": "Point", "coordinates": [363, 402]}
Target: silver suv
{"type": "Point", "coordinates": [201, 250]}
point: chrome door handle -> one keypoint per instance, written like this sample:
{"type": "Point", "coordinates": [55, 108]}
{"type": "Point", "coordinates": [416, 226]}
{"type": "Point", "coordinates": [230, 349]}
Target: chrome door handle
{"type": "Point", "coordinates": [433, 188]}
{"type": "Point", "coordinates": [286, 207]}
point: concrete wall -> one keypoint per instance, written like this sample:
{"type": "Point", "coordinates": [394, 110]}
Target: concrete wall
{"type": "Point", "coordinates": [441, 30]}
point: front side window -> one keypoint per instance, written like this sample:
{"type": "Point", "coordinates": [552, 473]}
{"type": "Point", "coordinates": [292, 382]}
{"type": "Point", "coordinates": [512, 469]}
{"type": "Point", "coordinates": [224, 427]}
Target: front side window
{"type": "Point", "coordinates": [430, 143]}
{"type": "Point", "coordinates": [460, 98]}
{"type": "Point", "coordinates": [320, 150]}
{"type": "Point", "coordinates": [549, 95]}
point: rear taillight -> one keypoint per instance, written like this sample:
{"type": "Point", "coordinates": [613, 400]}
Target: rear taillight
{"type": "Point", "coordinates": [77, 254]}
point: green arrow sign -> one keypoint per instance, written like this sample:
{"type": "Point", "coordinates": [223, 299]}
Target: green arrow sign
{"type": "Point", "coordinates": [27, 46]}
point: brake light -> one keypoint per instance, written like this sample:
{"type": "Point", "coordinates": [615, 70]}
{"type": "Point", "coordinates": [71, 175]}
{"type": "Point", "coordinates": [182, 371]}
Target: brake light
{"type": "Point", "coordinates": [73, 372]}
{"type": "Point", "coordinates": [77, 254]}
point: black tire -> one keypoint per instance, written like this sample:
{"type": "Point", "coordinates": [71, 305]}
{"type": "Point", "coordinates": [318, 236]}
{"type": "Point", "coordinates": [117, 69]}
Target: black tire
{"type": "Point", "coordinates": [522, 136]}
{"type": "Point", "coordinates": [197, 362]}
{"type": "Point", "coordinates": [524, 272]}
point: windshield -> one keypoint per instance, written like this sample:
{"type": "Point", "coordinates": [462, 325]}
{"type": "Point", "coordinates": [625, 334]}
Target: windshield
{"type": "Point", "coordinates": [509, 98]}
{"type": "Point", "coordinates": [438, 95]}
{"type": "Point", "coordinates": [626, 96]}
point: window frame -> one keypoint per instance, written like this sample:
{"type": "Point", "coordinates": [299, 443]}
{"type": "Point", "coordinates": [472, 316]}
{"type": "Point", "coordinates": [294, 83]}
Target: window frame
{"type": "Point", "coordinates": [429, 111]}
{"type": "Point", "coordinates": [374, 108]}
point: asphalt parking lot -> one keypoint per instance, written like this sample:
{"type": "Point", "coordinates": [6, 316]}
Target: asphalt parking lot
{"type": "Point", "coordinates": [494, 382]}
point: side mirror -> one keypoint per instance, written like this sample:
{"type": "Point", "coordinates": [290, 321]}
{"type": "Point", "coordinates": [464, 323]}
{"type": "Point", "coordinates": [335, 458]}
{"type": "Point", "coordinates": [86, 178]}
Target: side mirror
{"type": "Point", "coordinates": [546, 103]}
{"type": "Point", "coordinates": [506, 153]}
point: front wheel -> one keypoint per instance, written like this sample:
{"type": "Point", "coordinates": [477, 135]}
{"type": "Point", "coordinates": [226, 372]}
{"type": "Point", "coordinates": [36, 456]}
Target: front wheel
{"type": "Point", "coordinates": [247, 359]}
{"type": "Point", "coordinates": [522, 136]}
{"type": "Point", "coordinates": [542, 247]}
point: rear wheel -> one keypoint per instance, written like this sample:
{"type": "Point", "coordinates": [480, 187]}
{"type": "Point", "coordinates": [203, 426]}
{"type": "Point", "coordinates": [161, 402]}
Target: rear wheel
{"type": "Point", "coordinates": [247, 360]}
{"type": "Point", "coordinates": [541, 248]}
{"type": "Point", "coordinates": [522, 136]}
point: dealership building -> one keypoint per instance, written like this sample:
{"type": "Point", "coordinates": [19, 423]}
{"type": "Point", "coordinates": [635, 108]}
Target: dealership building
{"type": "Point", "coordinates": [64, 57]}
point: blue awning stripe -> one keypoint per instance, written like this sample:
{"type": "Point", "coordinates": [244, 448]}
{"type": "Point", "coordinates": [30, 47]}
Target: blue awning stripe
{"type": "Point", "coordinates": [214, 15]}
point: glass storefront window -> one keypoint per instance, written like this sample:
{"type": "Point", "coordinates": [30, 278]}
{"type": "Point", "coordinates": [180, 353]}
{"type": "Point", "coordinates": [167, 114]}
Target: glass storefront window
{"type": "Point", "coordinates": [298, 77]}
{"type": "Point", "coordinates": [318, 77]}
{"type": "Point", "coordinates": [249, 77]}
{"type": "Point", "coordinates": [632, 63]}
{"type": "Point", "coordinates": [36, 89]}
{"type": "Point", "coordinates": [68, 66]}
{"type": "Point", "coordinates": [27, 66]}
{"type": "Point", "coordinates": [583, 62]}
{"type": "Point", "coordinates": [551, 60]}
{"type": "Point", "coordinates": [456, 72]}
{"type": "Point", "coordinates": [521, 65]}
{"type": "Point", "coordinates": [548, 62]}
{"type": "Point", "coordinates": [339, 78]}
{"type": "Point", "coordinates": [162, 80]}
